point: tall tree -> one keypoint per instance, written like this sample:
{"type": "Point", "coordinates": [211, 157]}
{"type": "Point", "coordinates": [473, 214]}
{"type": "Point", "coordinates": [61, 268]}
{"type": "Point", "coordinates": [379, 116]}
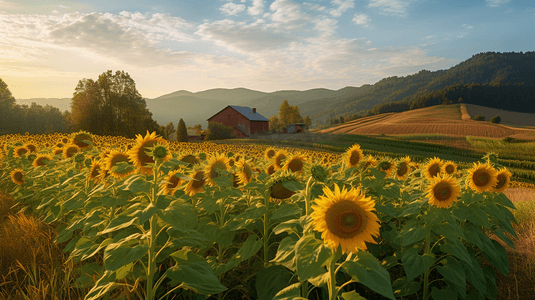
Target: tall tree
{"type": "Point", "coordinates": [110, 105]}
{"type": "Point", "coordinates": [182, 132]}
{"type": "Point", "coordinates": [7, 104]}
{"type": "Point", "coordinates": [274, 124]}
{"type": "Point", "coordinates": [285, 113]}
{"type": "Point", "coordinates": [307, 122]}
{"type": "Point", "coordinates": [169, 129]}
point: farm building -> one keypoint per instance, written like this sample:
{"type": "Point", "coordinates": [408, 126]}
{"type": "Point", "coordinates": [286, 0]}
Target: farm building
{"type": "Point", "coordinates": [244, 120]}
{"type": "Point", "coordinates": [295, 128]}
{"type": "Point", "coordinates": [193, 135]}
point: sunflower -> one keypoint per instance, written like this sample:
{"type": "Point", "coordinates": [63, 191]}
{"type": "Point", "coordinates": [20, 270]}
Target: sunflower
{"type": "Point", "coordinates": [449, 167]}
{"type": "Point", "coordinates": [403, 168]}
{"type": "Point", "coordinates": [217, 161]}
{"type": "Point", "coordinates": [504, 177]}
{"type": "Point", "coordinates": [231, 162]}
{"type": "Point", "coordinates": [295, 163]}
{"type": "Point", "coordinates": [279, 158]}
{"type": "Point", "coordinates": [369, 162]}
{"type": "Point", "coordinates": [137, 153]}
{"type": "Point", "coordinates": [345, 218]}
{"type": "Point", "coordinates": [79, 139]}
{"type": "Point", "coordinates": [278, 191]}
{"type": "Point", "coordinates": [481, 178]}
{"type": "Point", "coordinates": [57, 150]}
{"type": "Point", "coordinates": [31, 147]}
{"type": "Point", "coordinates": [433, 167]}
{"type": "Point", "coordinates": [270, 169]}
{"type": "Point", "coordinates": [353, 155]}
{"type": "Point", "coordinates": [245, 175]}
{"type": "Point", "coordinates": [190, 159]}
{"type": "Point", "coordinates": [70, 150]}
{"type": "Point", "coordinates": [386, 166]}
{"type": "Point", "coordinates": [173, 183]}
{"type": "Point", "coordinates": [112, 160]}
{"type": "Point", "coordinates": [17, 176]}
{"type": "Point", "coordinates": [196, 185]}
{"type": "Point", "coordinates": [95, 170]}
{"type": "Point", "coordinates": [20, 151]}
{"type": "Point", "coordinates": [41, 160]}
{"type": "Point", "coordinates": [443, 190]}
{"type": "Point", "coordinates": [269, 153]}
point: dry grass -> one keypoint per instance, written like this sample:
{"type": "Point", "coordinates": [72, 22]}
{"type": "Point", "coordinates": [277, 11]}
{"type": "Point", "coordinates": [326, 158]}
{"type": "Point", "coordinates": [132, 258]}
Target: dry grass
{"type": "Point", "coordinates": [520, 283]}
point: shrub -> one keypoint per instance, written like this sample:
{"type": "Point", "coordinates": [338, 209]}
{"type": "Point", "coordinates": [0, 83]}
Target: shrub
{"type": "Point", "coordinates": [479, 118]}
{"type": "Point", "coordinates": [496, 119]}
{"type": "Point", "coordinates": [218, 131]}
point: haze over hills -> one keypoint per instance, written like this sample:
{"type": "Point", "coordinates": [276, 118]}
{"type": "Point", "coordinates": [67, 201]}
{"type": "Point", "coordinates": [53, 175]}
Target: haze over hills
{"type": "Point", "coordinates": [495, 73]}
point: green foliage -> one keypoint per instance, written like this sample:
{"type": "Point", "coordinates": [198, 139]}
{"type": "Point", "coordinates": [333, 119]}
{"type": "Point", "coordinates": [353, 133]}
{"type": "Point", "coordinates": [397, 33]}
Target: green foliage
{"type": "Point", "coordinates": [111, 105]}
{"type": "Point", "coordinates": [496, 119]}
{"type": "Point", "coordinates": [479, 118]}
{"type": "Point", "coordinates": [218, 131]}
{"type": "Point", "coordinates": [182, 132]}
{"type": "Point", "coordinates": [308, 122]}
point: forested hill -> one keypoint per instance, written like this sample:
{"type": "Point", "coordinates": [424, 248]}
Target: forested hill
{"type": "Point", "coordinates": [497, 77]}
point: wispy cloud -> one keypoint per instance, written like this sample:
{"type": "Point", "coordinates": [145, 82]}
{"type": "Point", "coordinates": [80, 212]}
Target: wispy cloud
{"type": "Point", "coordinates": [468, 26]}
{"type": "Point", "coordinates": [390, 7]}
{"type": "Point", "coordinates": [257, 8]}
{"type": "Point", "coordinates": [362, 19]}
{"type": "Point", "coordinates": [285, 11]}
{"type": "Point", "coordinates": [232, 9]}
{"type": "Point", "coordinates": [342, 6]}
{"type": "Point", "coordinates": [496, 3]}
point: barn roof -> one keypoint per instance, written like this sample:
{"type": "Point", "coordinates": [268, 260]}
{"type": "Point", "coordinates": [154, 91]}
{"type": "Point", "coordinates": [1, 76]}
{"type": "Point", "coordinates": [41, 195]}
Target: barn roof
{"type": "Point", "coordinates": [246, 112]}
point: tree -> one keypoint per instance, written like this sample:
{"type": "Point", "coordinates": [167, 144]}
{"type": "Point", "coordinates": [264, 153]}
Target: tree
{"type": "Point", "coordinates": [198, 127]}
{"type": "Point", "coordinates": [285, 113]}
{"type": "Point", "coordinates": [182, 132]}
{"type": "Point", "coordinates": [7, 105]}
{"type": "Point", "coordinates": [308, 122]}
{"type": "Point", "coordinates": [496, 119]}
{"type": "Point", "coordinates": [169, 129]}
{"type": "Point", "coordinates": [218, 131]}
{"type": "Point", "coordinates": [479, 118]}
{"type": "Point", "coordinates": [110, 105]}
{"type": "Point", "coordinates": [274, 124]}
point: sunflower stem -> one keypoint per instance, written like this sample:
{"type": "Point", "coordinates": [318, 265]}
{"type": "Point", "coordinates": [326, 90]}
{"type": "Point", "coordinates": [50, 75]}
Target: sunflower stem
{"type": "Point", "coordinates": [333, 289]}
{"type": "Point", "coordinates": [151, 270]}
{"type": "Point", "coordinates": [307, 196]}
{"type": "Point", "coordinates": [266, 227]}
{"type": "Point", "coordinates": [426, 276]}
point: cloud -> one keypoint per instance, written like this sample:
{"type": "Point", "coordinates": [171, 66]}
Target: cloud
{"type": "Point", "coordinates": [467, 26]}
{"type": "Point", "coordinates": [343, 5]}
{"type": "Point", "coordinates": [496, 3]}
{"type": "Point", "coordinates": [390, 7]}
{"type": "Point", "coordinates": [6, 5]}
{"type": "Point", "coordinates": [361, 19]}
{"type": "Point", "coordinates": [285, 11]}
{"type": "Point", "coordinates": [245, 38]}
{"type": "Point", "coordinates": [316, 7]}
{"type": "Point", "coordinates": [231, 9]}
{"type": "Point", "coordinates": [257, 8]}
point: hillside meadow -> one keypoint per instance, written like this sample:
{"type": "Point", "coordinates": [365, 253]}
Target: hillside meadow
{"type": "Point", "coordinates": [98, 217]}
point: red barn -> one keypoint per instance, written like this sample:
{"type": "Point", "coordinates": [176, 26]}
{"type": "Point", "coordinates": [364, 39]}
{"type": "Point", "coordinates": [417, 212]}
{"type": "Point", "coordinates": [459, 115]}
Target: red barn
{"type": "Point", "coordinates": [244, 120]}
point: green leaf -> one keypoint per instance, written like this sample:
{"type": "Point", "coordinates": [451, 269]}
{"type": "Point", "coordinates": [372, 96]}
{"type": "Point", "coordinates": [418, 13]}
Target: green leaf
{"type": "Point", "coordinates": [320, 280]}
{"type": "Point", "coordinates": [250, 215]}
{"type": "Point", "coordinates": [352, 296]}
{"type": "Point", "coordinates": [103, 286]}
{"type": "Point", "coordinates": [387, 209]}
{"type": "Point", "coordinates": [450, 230]}
{"type": "Point", "coordinates": [248, 249]}
{"type": "Point", "coordinates": [222, 236]}
{"type": "Point", "coordinates": [293, 185]}
{"type": "Point", "coordinates": [446, 294]}
{"type": "Point", "coordinates": [123, 271]}
{"type": "Point", "coordinates": [453, 271]}
{"type": "Point", "coordinates": [124, 252]}
{"type": "Point", "coordinates": [271, 280]}
{"type": "Point", "coordinates": [500, 259]}
{"type": "Point", "coordinates": [290, 293]}
{"type": "Point", "coordinates": [403, 288]}
{"type": "Point", "coordinates": [478, 216]}
{"type": "Point", "coordinates": [499, 233]}
{"type": "Point", "coordinates": [286, 253]}
{"type": "Point", "coordinates": [179, 215]}
{"type": "Point", "coordinates": [415, 264]}
{"type": "Point", "coordinates": [120, 222]}
{"type": "Point", "coordinates": [503, 200]}
{"type": "Point", "coordinates": [286, 210]}
{"type": "Point", "coordinates": [413, 233]}
{"type": "Point", "coordinates": [412, 209]}
{"type": "Point", "coordinates": [292, 226]}
{"type": "Point", "coordinates": [474, 273]}
{"type": "Point", "coordinates": [457, 249]}
{"type": "Point", "coordinates": [366, 269]}
{"type": "Point", "coordinates": [88, 273]}
{"type": "Point", "coordinates": [311, 255]}
{"type": "Point", "coordinates": [136, 183]}
{"type": "Point", "coordinates": [194, 273]}
{"type": "Point", "coordinates": [104, 243]}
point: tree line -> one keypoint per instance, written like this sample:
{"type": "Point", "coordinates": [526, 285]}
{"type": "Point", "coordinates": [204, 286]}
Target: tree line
{"type": "Point", "coordinates": [288, 114]}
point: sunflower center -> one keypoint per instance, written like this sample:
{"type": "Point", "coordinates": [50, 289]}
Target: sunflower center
{"type": "Point", "coordinates": [173, 182]}
{"type": "Point", "coordinates": [434, 170]}
{"type": "Point", "coordinates": [217, 165]}
{"type": "Point", "coordinates": [354, 158]}
{"type": "Point", "coordinates": [199, 180]}
{"type": "Point", "coordinates": [501, 181]}
{"type": "Point", "coordinates": [247, 171]}
{"type": "Point", "coordinates": [481, 178]}
{"type": "Point", "coordinates": [279, 159]}
{"type": "Point", "coordinates": [18, 176]}
{"type": "Point", "coordinates": [402, 170]}
{"type": "Point", "coordinates": [270, 170]}
{"type": "Point", "coordinates": [40, 161]}
{"type": "Point", "coordinates": [295, 165]}
{"type": "Point", "coordinates": [449, 169]}
{"type": "Point", "coordinates": [95, 171]}
{"type": "Point", "coordinates": [280, 192]}
{"type": "Point", "coordinates": [442, 191]}
{"type": "Point", "coordinates": [346, 219]}
{"type": "Point", "coordinates": [270, 153]}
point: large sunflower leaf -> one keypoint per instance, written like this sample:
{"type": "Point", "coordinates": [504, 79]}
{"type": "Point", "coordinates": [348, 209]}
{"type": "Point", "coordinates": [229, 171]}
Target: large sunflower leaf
{"type": "Point", "coordinates": [311, 255]}
{"type": "Point", "coordinates": [457, 249]}
{"type": "Point", "coordinates": [366, 269]}
{"type": "Point", "coordinates": [286, 210]}
{"type": "Point", "coordinates": [415, 264]}
{"type": "Point", "coordinates": [292, 292]}
{"type": "Point", "coordinates": [271, 280]}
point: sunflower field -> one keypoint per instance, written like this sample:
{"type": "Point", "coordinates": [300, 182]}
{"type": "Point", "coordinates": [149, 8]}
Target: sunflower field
{"type": "Point", "coordinates": [150, 219]}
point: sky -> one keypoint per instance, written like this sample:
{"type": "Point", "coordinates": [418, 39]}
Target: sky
{"type": "Point", "coordinates": [46, 47]}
